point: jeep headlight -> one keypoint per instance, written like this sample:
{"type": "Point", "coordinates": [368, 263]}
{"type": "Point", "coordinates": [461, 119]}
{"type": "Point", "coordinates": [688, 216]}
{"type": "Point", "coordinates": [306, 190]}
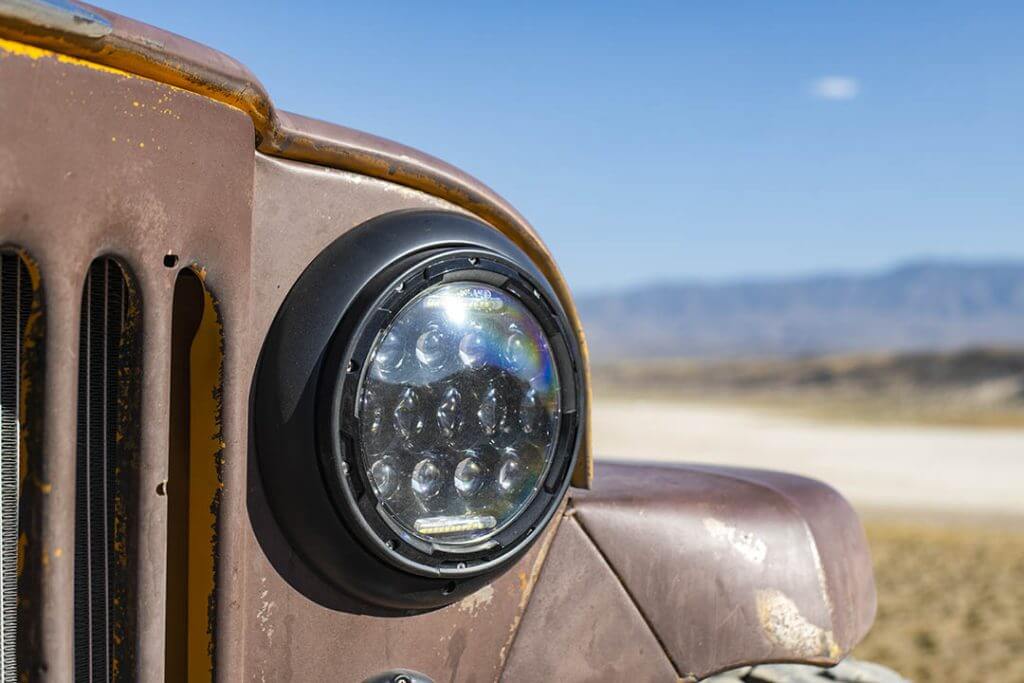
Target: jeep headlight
{"type": "Point", "coordinates": [439, 420]}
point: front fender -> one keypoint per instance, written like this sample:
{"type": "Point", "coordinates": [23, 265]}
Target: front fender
{"type": "Point", "coordinates": [685, 571]}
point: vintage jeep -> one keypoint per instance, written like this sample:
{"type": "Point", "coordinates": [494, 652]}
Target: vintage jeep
{"type": "Point", "coordinates": [286, 401]}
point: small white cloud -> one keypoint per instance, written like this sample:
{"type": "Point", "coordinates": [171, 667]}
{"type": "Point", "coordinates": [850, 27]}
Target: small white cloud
{"type": "Point", "coordinates": [835, 88]}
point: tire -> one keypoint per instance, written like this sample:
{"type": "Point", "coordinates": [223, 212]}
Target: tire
{"type": "Point", "coordinates": [848, 671]}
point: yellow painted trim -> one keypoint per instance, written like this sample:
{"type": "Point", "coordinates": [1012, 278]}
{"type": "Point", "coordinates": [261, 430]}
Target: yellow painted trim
{"type": "Point", "coordinates": [206, 447]}
{"type": "Point", "coordinates": [21, 50]}
{"type": "Point", "coordinates": [10, 48]}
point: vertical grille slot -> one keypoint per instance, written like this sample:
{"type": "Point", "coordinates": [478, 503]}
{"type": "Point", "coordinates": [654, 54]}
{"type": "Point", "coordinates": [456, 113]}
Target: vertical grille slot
{"type": "Point", "coordinates": [194, 480]}
{"type": "Point", "coordinates": [106, 464]}
{"type": "Point", "coordinates": [16, 298]}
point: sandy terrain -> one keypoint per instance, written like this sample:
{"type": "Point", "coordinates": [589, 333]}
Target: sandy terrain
{"type": "Point", "coordinates": [934, 468]}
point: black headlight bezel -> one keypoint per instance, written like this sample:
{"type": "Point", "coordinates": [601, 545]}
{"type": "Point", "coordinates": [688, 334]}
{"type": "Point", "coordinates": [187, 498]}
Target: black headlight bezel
{"type": "Point", "coordinates": [303, 416]}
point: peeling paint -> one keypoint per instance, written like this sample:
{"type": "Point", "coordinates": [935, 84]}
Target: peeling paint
{"type": "Point", "coordinates": [264, 614]}
{"type": "Point", "coordinates": [482, 598]}
{"type": "Point", "coordinates": [749, 546]}
{"type": "Point", "coordinates": [784, 625]}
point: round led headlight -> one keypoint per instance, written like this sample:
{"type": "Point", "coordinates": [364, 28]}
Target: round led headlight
{"type": "Point", "coordinates": [417, 410]}
{"type": "Point", "coordinates": [459, 407]}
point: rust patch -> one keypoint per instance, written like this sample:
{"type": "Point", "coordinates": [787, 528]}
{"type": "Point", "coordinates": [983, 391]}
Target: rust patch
{"type": "Point", "coordinates": [784, 625]}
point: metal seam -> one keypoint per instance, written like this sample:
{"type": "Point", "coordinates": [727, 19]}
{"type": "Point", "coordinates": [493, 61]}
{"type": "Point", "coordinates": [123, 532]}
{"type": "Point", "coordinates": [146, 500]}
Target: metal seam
{"type": "Point", "coordinates": [632, 598]}
{"type": "Point", "coordinates": [547, 542]}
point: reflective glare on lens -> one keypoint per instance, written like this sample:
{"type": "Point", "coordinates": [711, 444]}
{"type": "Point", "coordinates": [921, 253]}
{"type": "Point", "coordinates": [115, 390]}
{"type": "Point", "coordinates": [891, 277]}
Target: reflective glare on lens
{"type": "Point", "coordinates": [427, 478]}
{"type": "Point", "coordinates": [449, 412]}
{"type": "Point", "coordinates": [408, 417]}
{"type": "Point", "coordinates": [517, 350]}
{"type": "Point", "coordinates": [469, 475]}
{"type": "Point", "coordinates": [473, 348]}
{"type": "Point", "coordinates": [510, 474]}
{"type": "Point", "coordinates": [465, 415]}
{"type": "Point", "coordinates": [492, 410]}
{"type": "Point", "coordinates": [373, 414]}
{"type": "Point", "coordinates": [384, 477]}
{"type": "Point", "coordinates": [530, 410]}
{"type": "Point", "coordinates": [431, 350]}
{"type": "Point", "coordinates": [390, 355]}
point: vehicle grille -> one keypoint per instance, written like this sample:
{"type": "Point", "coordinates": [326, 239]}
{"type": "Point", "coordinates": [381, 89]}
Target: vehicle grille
{"type": "Point", "coordinates": [106, 461]}
{"type": "Point", "coordinates": [106, 607]}
{"type": "Point", "coordinates": [15, 306]}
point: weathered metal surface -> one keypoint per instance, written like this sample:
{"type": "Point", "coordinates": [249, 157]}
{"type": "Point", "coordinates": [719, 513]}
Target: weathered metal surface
{"type": "Point", "coordinates": [55, 16]}
{"type": "Point", "coordinates": [294, 629]}
{"type": "Point", "coordinates": [581, 625]}
{"type": "Point", "coordinates": [133, 47]}
{"type": "Point", "coordinates": [733, 567]}
{"type": "Point", "coordinates": [833, 526]}
{"type": "Point", "coordinates": [136, 48]}
{"type": "Point", "coordinates": [95, 161]}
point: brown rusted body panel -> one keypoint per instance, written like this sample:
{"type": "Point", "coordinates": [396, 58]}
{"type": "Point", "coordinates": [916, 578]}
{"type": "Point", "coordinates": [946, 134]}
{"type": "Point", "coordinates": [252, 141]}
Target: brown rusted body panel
{"type": "Point", "coordinates": [294, 631]}
{"type": "Point", "coordinates": [726, 567]}
{"type": "Point", "coordinates": [581, 624]}
{"type": "Point", "coordinates": [96, 162]}
{"type": "Point", "coordinates": [140, 49]}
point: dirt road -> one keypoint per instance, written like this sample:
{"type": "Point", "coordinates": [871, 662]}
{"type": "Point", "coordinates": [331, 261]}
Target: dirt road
{"type": "Point", "coordinates": [933, 468]}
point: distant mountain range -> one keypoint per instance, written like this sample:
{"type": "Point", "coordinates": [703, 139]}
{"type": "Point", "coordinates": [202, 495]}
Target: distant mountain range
{"type": "Point", "coordinates": [916, 306]}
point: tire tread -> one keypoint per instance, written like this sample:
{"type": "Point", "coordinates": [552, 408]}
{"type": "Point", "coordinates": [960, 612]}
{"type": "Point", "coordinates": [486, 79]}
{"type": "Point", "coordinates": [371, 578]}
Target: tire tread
{"type": "Point", "coordinates": [848, 671]}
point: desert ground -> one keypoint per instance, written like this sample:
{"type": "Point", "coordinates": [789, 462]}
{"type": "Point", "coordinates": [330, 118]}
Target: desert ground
{"type": "Point", "coordinates": [918, 467]}
{"type": "Point", "coordinates": [936, 474]}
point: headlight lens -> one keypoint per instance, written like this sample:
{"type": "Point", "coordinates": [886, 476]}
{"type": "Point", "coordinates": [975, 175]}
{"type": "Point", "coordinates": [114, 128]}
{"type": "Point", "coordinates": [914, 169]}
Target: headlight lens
{"type": "Point", "coordinates": [459, 408]}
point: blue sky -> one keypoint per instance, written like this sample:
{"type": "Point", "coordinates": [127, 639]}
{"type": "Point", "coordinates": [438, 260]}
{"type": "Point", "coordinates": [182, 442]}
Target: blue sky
{"type": "Point", "coordinates": [658, 141]}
